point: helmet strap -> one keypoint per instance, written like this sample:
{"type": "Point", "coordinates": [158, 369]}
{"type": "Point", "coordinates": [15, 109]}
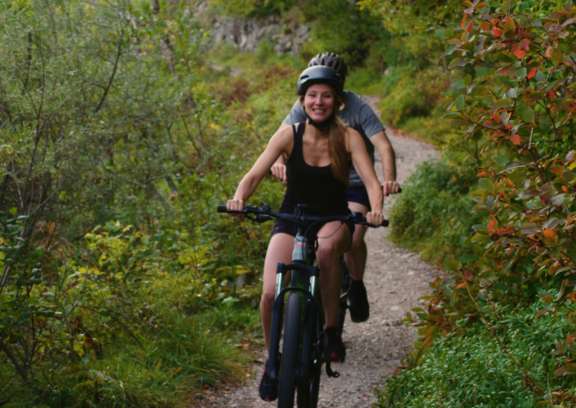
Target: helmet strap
{"type": "Point", "coordinates": [319, 125]}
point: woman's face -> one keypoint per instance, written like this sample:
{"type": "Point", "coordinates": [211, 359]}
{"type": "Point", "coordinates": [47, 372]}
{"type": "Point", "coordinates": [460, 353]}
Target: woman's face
{"type": "Point", "coordinates": [319, 102]}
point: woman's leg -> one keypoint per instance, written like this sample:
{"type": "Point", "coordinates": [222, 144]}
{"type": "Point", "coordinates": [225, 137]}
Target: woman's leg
{"type": "Point", "coordinates": [279, 250]}
{"type": "Point", "coordinates": [333, 241]}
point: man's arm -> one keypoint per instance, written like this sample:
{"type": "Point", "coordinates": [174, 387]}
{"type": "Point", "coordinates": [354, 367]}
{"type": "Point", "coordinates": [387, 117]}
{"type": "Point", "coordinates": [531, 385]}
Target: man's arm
{"type": "Point", "coordinates": [384, 147]}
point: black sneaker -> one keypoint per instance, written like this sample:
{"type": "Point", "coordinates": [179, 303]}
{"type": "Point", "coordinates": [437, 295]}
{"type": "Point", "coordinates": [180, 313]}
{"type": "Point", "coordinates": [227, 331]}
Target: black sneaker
{"type": "Point", "coordinates": [359, 306]}
{"type": "Point", "coordinates": [268, 389]}
{"type": "Point", "coordinates": [334, 349]}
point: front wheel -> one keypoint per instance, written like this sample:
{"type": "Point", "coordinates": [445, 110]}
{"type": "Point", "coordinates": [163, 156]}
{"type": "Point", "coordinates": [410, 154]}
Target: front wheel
{"type": "Point", "coordinates": [290, 352]}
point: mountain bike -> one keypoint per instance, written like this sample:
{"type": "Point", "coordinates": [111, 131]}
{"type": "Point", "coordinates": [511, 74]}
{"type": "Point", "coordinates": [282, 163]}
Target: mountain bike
{"type": "Point", "coordinates": [298, 371]}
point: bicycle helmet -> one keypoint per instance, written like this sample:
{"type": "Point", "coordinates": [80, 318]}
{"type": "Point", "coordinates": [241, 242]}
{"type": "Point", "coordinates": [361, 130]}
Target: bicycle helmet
{"type": "Point", "coordinates": [320, 75]}
{"type": "Point", "coordinates": [329, 59]}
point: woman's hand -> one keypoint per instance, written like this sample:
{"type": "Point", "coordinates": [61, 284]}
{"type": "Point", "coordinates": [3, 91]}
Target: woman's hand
{"type": "Point", "coordinates": [375, 217]}
{"type": "Point", "coordinates": [237, 205]}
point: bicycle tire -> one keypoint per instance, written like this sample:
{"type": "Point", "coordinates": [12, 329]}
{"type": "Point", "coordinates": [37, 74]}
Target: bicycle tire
{"type": "Point", "coordinates": [290, 352]}
{"type": "Point", "coordinates": [307, 395]}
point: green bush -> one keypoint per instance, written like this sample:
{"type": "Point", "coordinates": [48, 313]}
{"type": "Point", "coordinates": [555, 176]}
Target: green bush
{"type": "Point", "coordinates": [434, 210]}
{"type": "Point", "coordinates": [467, 368]}
{"type": "Point", "coordinates": [410, 93]}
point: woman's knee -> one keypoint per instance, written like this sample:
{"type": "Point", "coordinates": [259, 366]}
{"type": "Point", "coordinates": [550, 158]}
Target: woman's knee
{"type": "Point", "coordinates": [327, 252]}
{"type": "Point", "coordinates": [266, 300]}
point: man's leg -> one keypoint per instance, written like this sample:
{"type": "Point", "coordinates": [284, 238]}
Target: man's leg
{"type": "Point", "coordinates": [356, 256]}
{"type": "Point", "coordinates": [356, 262]}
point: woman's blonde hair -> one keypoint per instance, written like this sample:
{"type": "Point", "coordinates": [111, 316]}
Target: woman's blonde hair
{"type": "Point", "coordinates": [339, 156]}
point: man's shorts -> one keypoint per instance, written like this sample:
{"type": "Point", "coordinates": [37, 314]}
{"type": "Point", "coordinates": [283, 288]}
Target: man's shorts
{"type": "Point", "coordinates": [358, 194]}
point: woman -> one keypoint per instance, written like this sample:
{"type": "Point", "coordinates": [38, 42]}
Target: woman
{"type": "Point", "coordinates": [318, 154]}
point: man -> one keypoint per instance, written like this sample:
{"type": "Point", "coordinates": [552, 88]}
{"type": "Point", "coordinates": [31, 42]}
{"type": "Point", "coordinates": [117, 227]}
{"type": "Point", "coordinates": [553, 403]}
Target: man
{"type": "Point", "coordinates": [358, 115]}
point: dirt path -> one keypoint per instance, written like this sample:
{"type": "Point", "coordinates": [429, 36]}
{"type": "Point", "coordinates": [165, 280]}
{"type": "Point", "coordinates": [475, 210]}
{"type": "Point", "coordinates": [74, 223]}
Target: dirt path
{"type": "Point", "coordinates": [395, 279]}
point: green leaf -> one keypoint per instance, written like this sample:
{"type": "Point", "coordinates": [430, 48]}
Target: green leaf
{"type": "Point", "coordinates": [539, 76]}
{"type": "Point", "coordinates": [458, 62]}
{"type": "Point", "coordinates": [467, 258]}
{"type": "Point", "coordinates": [505, 79]}
{"type": "Point", "coordinates": [460, 102]}
{"type": "Point", "coordinates": [525, 113]}
{"type": "Point", "coordinates": [521, 73]}
{"type": "Point", "coordinates": [483, 71]}
{"type": "Point", "coordinates": [502, 287]}
{"type": "Point", "coordinates": [452, 264]}
{"type": "Point", "coordinates": [501, 103]}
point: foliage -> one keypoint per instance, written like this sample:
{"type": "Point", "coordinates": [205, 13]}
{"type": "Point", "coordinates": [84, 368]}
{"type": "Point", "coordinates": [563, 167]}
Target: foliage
{"type": "Point", "coordinates": [433, 211]}
{"type": "Point", "coordinates": [409, 94]}
{"type": "Point", "coordinates": [468, 367]}
{"type": "Point", "coordinates": [254, 8]}
{"type": "Point", "coordinates": [115, 153]}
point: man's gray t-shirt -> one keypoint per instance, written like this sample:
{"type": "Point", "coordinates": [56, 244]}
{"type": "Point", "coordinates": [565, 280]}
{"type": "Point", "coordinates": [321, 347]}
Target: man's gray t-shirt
{"type": "Point", "coordinates": [356, 114]}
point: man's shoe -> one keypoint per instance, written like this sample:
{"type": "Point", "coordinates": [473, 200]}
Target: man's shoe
{"type": "Point", "coordinates": [334, 349]}
{"type": "Point", "coordinates": [359, 306]}
{"type": "Point", "coordinates": [268, 388]}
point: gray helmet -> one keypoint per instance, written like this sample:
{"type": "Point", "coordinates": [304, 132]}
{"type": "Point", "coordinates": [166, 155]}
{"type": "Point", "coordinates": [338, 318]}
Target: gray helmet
{"type": "Point", "coordinates": [320, 75]}
{"type": "Point", "coordinates": [329, 59]}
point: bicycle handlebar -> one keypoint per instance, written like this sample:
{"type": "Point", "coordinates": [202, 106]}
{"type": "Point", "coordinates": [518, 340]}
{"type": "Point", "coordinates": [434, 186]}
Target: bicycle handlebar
{"type": "Point", "coordinates": [264, 214]}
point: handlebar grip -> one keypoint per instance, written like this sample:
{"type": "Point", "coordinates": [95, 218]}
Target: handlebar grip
{"type": "Point", "coordinates": [221, 209]}
{"type": "Point", "coordinates": [385, 223]}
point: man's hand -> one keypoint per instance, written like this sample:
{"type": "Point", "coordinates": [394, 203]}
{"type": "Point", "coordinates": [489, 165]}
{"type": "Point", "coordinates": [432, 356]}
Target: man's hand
{"type": "Point", "coordinates": [279, 170]}
{"type": "Point", "coordinates": [390, 187]}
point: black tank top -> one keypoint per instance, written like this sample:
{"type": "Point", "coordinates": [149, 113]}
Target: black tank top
{"type": "Point", "coordinates": [311, 185]}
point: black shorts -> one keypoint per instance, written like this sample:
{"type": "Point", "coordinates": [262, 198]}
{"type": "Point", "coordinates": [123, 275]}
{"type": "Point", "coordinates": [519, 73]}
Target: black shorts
{"type": "Point", "coordinates": [358, 194]}
{"type": "Point", "coordinates": [287, 227]}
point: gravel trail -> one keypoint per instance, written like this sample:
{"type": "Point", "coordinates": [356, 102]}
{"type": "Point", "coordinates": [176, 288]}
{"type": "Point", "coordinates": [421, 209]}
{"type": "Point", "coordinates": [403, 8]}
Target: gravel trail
{"type": "Point", "coordinates": [395, 279]}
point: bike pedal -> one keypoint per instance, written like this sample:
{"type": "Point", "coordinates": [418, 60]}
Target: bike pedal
{"type": "Point", "coordinates": [330, 373]}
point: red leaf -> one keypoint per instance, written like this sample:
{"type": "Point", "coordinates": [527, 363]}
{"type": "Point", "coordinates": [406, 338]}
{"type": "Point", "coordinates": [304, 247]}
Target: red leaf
{"type": "Point", "coordinates": [516, 139]}
{"type": "Point", "coordinates": [520, 54]}
{"type": "Point", "coordinates": [496, 32]}
{"type": "Point", "coordinates": [496, 117]}
{"type": "Point", "coordinates": [570, 338]}
{"type": "Point", "coordinates": [491, 226]}
{"type": "Point", "coordinates": [548, 51]}
{"type": "Point", "coordinates": [524, 44]}
{"type": "Point", "coordinates": [506, 231]}
{"type": "Point", "coordinates": [551, 94]}
{"type": "Point", "coordinates": [470, 27]}
{"type": "Point", "coordinates": [504, 70]}
{"type": "Point", "coordinates": [468, 275]}
{"type": "Point", "coordinates": [532, 73]}
{"type": "Point", "coordinates": [482, 174]}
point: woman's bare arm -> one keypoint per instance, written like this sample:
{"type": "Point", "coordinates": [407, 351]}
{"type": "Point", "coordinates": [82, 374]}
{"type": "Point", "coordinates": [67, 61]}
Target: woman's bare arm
{"type": "Point", "coordinates": [281, 143]}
